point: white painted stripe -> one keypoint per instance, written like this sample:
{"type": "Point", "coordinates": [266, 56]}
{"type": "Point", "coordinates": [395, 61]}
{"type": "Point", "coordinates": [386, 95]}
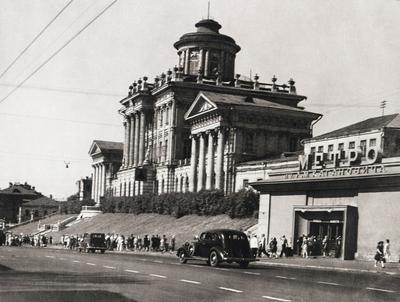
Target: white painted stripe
{"type": "Point", "coordinates": [231, 289]}
{"type": "Point", "coordinates": [110, 267]}
{"type": "Point", "coordinates": [174, 263]}
{"type": "Point", "coordinates": [251, 273]}
{"type": "Point", "coordinates": [76, 261]}
{"type": "Point", "coordinates": [283, 277]}
{"type": "Point", "coordinates": [88, 263]}
{"type": "Point", "coordinates": [45, 256]}
{"type": "Point", "coordinates": [276, 299]}
{"type": "Point", "coordinates": [190, 281]}
{"type": "Point", "coordinates": [158, 276]}
{"type": "Point", "coordinates": [131, 271]}
{"type": "Point", "coordinates": [329, 283]}
{"type": "Point", "coordinates": [195, 265]}
{"type": "Point", "coordinates": [221, 269]}
{"type": "Point", "coordinates": [381, 290]}
{"type": "Point", "coordinates": [141, 259]}
{"type": "Point", "coordinates": [61, 258]}
{"type": "Point", "coordinates": [158, 261]}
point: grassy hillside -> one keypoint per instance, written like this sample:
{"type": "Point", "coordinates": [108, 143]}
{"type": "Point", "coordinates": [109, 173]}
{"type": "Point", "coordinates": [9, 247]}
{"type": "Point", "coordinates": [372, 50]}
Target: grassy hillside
{"type": "Point", "coordinates": [31, 228]}
{"type": "Point", "coordinates": [183, 228]}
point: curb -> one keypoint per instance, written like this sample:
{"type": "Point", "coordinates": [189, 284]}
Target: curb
{"type": "Point", "coordinates": [326, 268]}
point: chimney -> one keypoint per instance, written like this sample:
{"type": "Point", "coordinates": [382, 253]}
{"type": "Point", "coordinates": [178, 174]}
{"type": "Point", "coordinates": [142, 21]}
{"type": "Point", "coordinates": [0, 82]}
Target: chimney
{"type": "Point", "coordinates": [51, 196]}
{"type": "Point", "coordinates": [33, 188]}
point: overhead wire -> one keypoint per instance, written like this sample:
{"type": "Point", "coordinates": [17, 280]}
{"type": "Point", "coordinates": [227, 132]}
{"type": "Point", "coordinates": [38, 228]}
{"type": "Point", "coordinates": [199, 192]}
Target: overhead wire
{"type": "Point", "coordinates": [35, 39]}
{"type": "Point", "coordinates": [58, 50]}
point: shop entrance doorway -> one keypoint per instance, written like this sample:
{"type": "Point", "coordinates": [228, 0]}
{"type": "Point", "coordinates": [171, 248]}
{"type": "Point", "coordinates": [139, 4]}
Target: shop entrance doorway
{"type": "Point", "coordinates": [338, 223]}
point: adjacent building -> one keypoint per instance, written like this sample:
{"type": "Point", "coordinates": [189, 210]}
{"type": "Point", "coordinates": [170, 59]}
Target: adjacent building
{"type": "Point", "coordinates": [346, 183]}
{"type": "Point", "coordinates": [191, 127]}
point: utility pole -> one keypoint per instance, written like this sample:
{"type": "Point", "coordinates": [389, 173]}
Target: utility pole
{"type": "Point", "coordinates": [383, 106]}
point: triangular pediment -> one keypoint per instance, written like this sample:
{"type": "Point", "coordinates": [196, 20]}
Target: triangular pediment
{"type": "Point", "coordinates": [94, 149]}
{"type": "Point", "coordinates": [200, 105]}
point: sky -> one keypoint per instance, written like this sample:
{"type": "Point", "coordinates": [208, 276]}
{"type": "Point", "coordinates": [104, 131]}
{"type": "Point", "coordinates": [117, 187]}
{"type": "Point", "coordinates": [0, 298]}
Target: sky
{"type": "Point", "coordinates": [343, 55]}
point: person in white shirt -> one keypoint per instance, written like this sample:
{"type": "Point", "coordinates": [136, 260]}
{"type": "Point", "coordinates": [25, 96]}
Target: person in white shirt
{"type": "Point", "coordinates": [386, 250]}
{"type": "Point", "coordinates": [254, 245]}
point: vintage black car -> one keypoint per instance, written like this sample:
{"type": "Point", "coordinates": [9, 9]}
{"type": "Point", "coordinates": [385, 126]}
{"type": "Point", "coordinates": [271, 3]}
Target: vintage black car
{"type": "Point", "coordinates": [216, 246]}
{"type": "Point", "coordinates": [92, 242]}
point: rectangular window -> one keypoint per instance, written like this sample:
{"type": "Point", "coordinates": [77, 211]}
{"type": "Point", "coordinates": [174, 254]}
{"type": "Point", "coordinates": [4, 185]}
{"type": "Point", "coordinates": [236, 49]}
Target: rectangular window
{"type": "Point", "coordinates": [372, 142]}
{"type": "Point", "coordinates": [330, 148]}
{"type": "Point", "coordinates": [312, 150]}
{"type": "Point", "coordinates": [320, 149]}
{"type": "Point", "coordinates": [245, 183]}
{"type": "Point", "coordinates": [363, 147]}
{"type": "Point", "coordinates": [340, 146]}
{"type": "Point", "coordinates": [352, 145]}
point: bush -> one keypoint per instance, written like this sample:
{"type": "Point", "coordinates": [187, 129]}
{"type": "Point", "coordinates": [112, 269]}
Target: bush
{"type": "Point", "coordinates": [72, 206]}
{"type": "Point", "coordinates": [208, 203]}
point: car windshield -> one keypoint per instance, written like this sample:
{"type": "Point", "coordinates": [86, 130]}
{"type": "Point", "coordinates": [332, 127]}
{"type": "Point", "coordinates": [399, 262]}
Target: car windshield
{"type": "Point", "coordinates": [235, 236]}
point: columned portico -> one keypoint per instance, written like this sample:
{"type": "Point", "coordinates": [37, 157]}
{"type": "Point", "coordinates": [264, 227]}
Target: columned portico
{"type": "Point", "coordinates": [125, 150]}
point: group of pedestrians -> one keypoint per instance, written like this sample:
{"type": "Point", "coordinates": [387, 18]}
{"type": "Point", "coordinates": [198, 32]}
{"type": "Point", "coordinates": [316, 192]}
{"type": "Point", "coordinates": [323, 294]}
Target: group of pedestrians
{"type": "Point", "coordinates": [260, 247]}
{"type": "Point", "coordinates": [382, 253]}
{"type": "Point", "coordinates": [120, 242]}
{"type": "Point", "coordinates": [309, 245]}
{"type": "Point", "coordinates": [155, 243]}
{"type": "Point", "coordinates": [10, 239]}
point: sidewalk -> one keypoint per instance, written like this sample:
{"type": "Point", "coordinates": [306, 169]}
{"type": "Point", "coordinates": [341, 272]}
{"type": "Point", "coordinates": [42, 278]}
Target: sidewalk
{"type": "Point", "coordinates": [317, 263]}
{"type": "Point", "coordinates": [332, 264]}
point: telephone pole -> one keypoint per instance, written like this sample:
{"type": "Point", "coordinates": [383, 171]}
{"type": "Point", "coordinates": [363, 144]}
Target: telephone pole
{"type": "Point", "coordinates": [383, 106]}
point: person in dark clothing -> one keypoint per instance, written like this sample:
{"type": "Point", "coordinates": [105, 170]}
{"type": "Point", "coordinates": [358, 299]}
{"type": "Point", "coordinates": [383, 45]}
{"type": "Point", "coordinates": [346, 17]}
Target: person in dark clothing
{"type": "Point", "coordinates": [283, 246]}
{"type": "Point", "coordinates": [379, 256]}
{"type": "Point", "coordinates": [262, 246]}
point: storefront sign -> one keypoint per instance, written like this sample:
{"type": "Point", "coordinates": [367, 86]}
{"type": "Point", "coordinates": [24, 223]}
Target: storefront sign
{"type": "Point", "coordinates": [360, 170]}
{"type": "Point", "coordinates": [339, 159]}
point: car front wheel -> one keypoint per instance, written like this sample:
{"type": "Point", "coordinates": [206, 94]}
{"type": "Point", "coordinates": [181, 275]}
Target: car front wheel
{"type": "Point", "coordinates": [213, 259]}
{"type": "Point", "coordinates": [182, 257]}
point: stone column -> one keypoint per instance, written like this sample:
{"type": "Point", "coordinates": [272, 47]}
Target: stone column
{"type": "Point", "coordinates": [96, 183]}
{"type": "Point", "coordinates": [131, 140]}
{"type": "Point", "coordinates": [141, 138]}
{"type": "Point", "coordinates": [210, 161]}
{"type": "Point", "coordinates": [200, 179]}
{"type": "Point", "coordinates": [101, 182]}
{"type": "Point", "coordinates": [155, 134]}
{"type": "Point", "coordinates": [193, 166]}
{"type": "Point", "coordinates": [93, 186]}
{"type": "Point", "coordinates": [136, 147]}
{"type": "Point", "coordinates": [171, 133]}
{"type": "Point", "coordinates": [206, 71]}
{"type": "Point", "coordinates": [125, 149]}
{"type": "Point", "coordinates": [186, 62]}
{"type": "Point", "coordinates": [201, 60]}
{"type": "Point", "coordinates": [219, 183]}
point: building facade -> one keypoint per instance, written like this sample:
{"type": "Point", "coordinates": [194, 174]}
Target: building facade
{"type": "Point", "coordinates": [191, 127]}
{"type": "Point", "coordinates": [345, 184]}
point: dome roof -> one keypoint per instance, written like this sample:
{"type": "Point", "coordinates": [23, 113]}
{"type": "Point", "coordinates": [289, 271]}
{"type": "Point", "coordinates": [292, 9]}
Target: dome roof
{"type": "Point", "coordinates": [207, 32]}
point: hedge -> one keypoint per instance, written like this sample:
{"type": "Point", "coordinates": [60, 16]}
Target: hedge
{"type": "Point", "coordinates": [205, 203]}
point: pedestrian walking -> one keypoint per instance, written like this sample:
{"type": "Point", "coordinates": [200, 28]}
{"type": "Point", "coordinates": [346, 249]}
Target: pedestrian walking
{"type": "Point", "coordinates": [325, 246]}
{"type": "Point", "coordinates": [262, 246]}
{"type": "Point", "coordinates": [254, 245]}
{"type": "Point", "coordinates": [273, 247]}
{"type": "Point", "coordinates": [379, 256]}
{"type": "Point", "coordinates": [304, 247]}
{"type": "Point", "coordinates": [283, 246]}
{"type": "Point", "coordinates": [386, 250]}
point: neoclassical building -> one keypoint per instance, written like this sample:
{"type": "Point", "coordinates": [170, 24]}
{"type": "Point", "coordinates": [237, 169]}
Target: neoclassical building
{"type": "Point", "coordinates": [191, 127]}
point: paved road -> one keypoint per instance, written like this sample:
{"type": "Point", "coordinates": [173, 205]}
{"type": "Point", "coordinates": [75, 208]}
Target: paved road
{"type": "Point", "coordinates": [28, 274]}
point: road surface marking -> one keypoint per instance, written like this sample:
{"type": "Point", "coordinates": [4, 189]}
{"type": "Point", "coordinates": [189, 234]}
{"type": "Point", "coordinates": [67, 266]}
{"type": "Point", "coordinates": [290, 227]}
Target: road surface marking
{"type": "Point", "coordinates": [46, 256]}
{"type": "Point", "coordinates": [190, 281]}
{"type": "Point", "coordinates": [222, 269]}
{"type": "Point", "coordinates": [381, 290]}
{"type": "Point", "coordinates": [61, 258]}
{"type": "Point", "coordinates": [195, 265]}
{"type": "Point", "coordinates": [329, 283]}
{"type": "Point", "coordinates": [141, 259]}
{"type": "Point", "coordinates": [251, 273]}
{"type": "Point", "coordinates": [131, 271]}
{"type": "Point", "coordinates": [283, 277]}
{"type": "Point", "coordinates": [158, 276]}
{"type": "Point", "coordinates": [231, 289]}
{"type": "Point", "coordinates": [76, 261]}
{"type": "Point", "coordinates": [276, 299]}
{"type": "Point", "coordinates": [88, 263]}
{"type": "Point", "coordinates": [110, 267]}
{"type": "Point", "coordinates": [174, 263]}
{"type": "Point", "coordinates": [158, 261]}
